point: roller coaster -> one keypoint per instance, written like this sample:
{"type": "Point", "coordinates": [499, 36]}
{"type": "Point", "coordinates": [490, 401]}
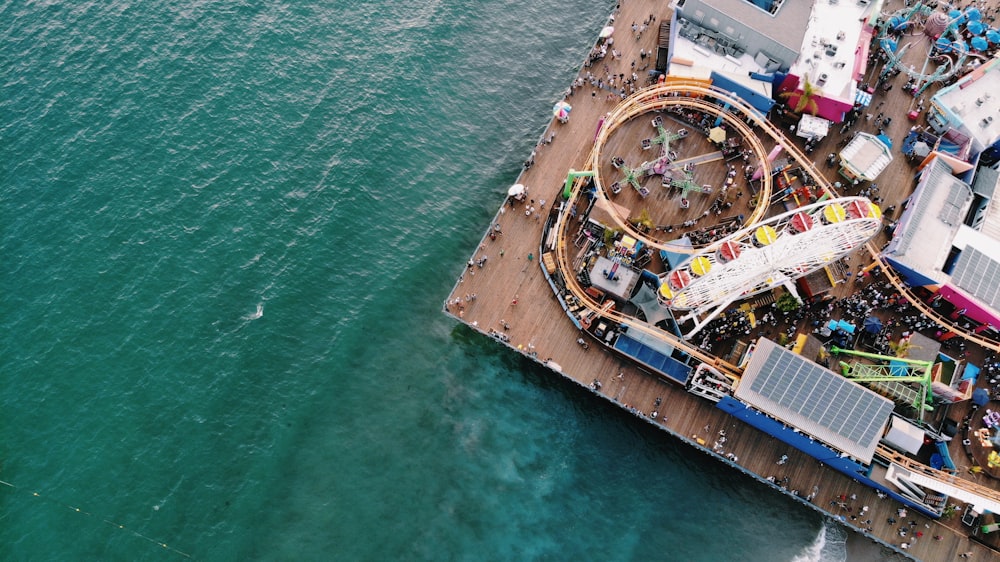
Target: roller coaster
{"type": "Point", "coordinates": [830, 211]}
{"type": "Point", "coordinates": [741, 119]}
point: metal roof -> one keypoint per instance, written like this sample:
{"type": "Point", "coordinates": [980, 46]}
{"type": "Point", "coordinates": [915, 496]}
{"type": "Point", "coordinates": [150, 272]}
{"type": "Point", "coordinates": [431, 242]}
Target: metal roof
{"type": "Point", "coordinates": [786, 26]}
{"type": "Point", "coordinates": [987, 184]}
{"type": "Point", "coordinates": [979, 274]}
{"type": "Point", "coordinates": [971, 101]}
{"type": "Point", "coordinates": [817, 401]}
{"type": "Point", "coordinates": [928, 226]}
{"type": "Point", "coordinates": [622, 281]}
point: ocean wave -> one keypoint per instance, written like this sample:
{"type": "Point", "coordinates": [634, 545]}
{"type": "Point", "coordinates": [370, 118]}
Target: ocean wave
{"type": "Point", "coordinates": [830, 545]}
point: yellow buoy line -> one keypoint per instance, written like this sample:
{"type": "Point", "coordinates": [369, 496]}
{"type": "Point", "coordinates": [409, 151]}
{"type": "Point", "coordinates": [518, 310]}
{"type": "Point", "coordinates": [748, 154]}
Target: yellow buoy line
{"type": "Point", "coordinates": [95, 516]}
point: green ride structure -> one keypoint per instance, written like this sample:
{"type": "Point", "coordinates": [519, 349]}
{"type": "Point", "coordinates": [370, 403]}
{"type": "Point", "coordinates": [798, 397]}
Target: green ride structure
{"type": "Point", "coordinates": [894, 376]}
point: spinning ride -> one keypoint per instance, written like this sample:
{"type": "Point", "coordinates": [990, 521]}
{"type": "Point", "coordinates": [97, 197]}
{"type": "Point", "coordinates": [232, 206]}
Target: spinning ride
{"type": "Point", "coordinates": [944, 31]}
{"type": "Point", "coordinates": [672, 100]}
{"type": "Point", "coordinates": [631, 176]}
{"type": "Point", "coordinates": [687, 184]}
{"type": "Point", "coordinates": [664, 136]}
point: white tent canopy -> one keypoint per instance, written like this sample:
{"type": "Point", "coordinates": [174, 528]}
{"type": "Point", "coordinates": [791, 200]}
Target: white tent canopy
{"type": "Point", "coordinates": [865, 157]}
{"type": "Point", "coordinates": [813, 127]}
{"type": "Point", "coordinates": [646, 299]}
{"type": "Point", "coordinates": [904, 436]}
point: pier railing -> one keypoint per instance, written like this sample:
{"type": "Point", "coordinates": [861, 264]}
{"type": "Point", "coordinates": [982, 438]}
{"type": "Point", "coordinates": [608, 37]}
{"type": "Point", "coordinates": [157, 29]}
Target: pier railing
{"type": "Point", "coordinates": [926, 310]}
{"type": "Point", "coordinates": [939, 475]}
{"type": "Point", "coordinates": [655, 98]}
{"type": "Point", "coordinates": [662, 96]}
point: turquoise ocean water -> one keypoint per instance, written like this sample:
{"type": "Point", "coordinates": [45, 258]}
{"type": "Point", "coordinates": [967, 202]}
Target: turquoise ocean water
{"type": "Point", "coordinates": [227, 231]}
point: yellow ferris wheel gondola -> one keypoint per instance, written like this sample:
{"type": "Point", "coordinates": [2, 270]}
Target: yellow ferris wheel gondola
{"type": "Point", "coordinates": [765, 235]}
{"type": "Point", "coordinates": [834, 213]}
{"type": "Point", "coordinates": [700, 265]}
{"type": "Point", "coordinates": [665, 292]}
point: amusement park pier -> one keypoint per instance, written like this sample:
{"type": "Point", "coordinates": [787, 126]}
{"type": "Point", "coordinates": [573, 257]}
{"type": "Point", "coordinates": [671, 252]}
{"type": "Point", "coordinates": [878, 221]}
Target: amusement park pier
{"type": "Point", "coordinates": [646, 247]}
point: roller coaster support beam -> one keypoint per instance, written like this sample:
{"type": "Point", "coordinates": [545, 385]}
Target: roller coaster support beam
{"type": "Point", "coordinates": [572, 176]}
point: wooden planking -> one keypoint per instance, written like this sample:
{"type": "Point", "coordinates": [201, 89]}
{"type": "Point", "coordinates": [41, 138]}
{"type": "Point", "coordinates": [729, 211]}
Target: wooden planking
{"type": "Point", "coordinates": [537, 323]}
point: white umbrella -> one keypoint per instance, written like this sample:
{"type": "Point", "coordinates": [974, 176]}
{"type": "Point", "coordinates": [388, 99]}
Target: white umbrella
{"type": "Point", "coordinates": [516, 190]}
{"type": "Point", "coordinates": [606, 32]}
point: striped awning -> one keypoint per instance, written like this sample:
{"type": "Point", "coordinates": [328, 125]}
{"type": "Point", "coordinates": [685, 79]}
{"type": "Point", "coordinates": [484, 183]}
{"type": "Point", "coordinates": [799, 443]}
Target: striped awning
{"type": "Point", "coordinates": [862, 97]}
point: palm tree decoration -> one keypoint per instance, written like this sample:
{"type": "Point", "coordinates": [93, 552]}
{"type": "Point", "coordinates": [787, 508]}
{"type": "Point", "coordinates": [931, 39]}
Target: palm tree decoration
{"type": "Point", "coordinates": [902, 348]}
{"type": "Point", "coordinates": [610, 235]}
{"type": "Point", "coordinates": [807, 99]}
{"type": "Point", "coordinates": [644, 221]}
{"type": "Point", "coordinates": [787, 302]}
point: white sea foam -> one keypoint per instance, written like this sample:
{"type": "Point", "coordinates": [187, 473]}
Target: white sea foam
{"type": "Point", "coordinates": [258, 313]}
{"type": "Point", "coordinates": [830, 545]}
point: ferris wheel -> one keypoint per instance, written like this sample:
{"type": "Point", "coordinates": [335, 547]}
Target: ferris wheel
{"type": "Point", "coordinates": [765, 255]}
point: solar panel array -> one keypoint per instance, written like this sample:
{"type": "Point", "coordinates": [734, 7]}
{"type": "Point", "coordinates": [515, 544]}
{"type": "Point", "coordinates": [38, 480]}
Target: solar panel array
{"type": "Point", "coordinates": [978, 274]}
{"type": "Point", "coordinates": [953, 210]}
{"type": "Point", "coordinates": [817, 401]}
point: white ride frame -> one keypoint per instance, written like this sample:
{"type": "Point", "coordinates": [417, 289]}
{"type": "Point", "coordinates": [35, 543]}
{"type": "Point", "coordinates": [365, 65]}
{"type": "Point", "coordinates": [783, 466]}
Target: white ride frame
{"type": "Point", "coordinates": [760, 268]}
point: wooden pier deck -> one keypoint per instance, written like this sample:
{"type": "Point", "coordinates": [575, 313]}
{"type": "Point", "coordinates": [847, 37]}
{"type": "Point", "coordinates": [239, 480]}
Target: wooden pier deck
{"type": "Point", "coordinates": [510, 295]}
